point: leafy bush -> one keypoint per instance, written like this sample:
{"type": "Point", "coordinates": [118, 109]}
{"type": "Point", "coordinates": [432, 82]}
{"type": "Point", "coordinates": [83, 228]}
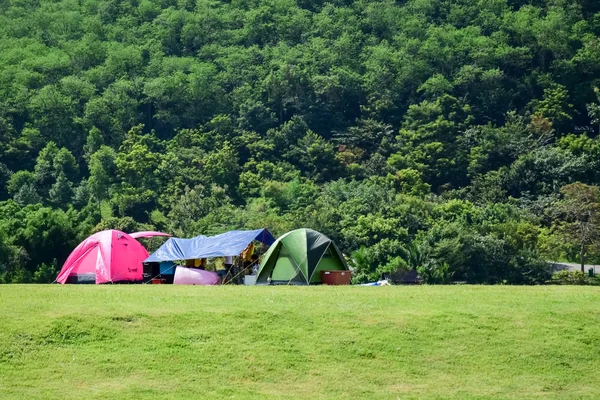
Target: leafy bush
{"type": "Point", "coordinates": [46, 273]}
{"type": "Point", "coordinates": [433, 272]}
{"type": "Point", "coordinates": [573, 278]}
{"type": "Point", "coordinates": [365, 267]}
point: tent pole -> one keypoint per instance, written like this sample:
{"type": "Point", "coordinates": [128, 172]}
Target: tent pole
{"type": "Point", "coordinates": [226, 278]}
{"type": "Point", "coordinates": [322, 254]}
{"type": "Point", "coordinates": [297, 269]}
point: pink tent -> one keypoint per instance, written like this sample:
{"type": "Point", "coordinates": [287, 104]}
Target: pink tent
{"type": "Point", "coordinates": [193, 276]}
{"type": "Point", "coordinates": [148, 234]}
{"type": "Point", "coordinates": [107, 256]}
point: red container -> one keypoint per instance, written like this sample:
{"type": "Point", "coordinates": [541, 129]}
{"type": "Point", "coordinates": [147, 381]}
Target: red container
{"type": "Point", "coordinates": [335, 277]}
{"type": "Point", "coordinates": [156, 281]}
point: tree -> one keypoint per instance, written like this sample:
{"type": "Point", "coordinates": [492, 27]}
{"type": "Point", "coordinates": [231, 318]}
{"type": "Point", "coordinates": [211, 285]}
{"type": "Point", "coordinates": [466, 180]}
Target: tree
{"type": "Point", "coordinates": [61, 193]}
{"type": "Point", "coordinates": [20, 179]}
{"type": "Point", "coordinates": [222, 166]}
{"type": "Point", "coordinates": [44, 166]}
{"type": "Point", "coordinates": [579, 216]}
{"type": "Point", "coordinates": [53, 114]}
{"type": "Point", "coordinates": [593, 110]}
{"type": "Point", "coordinates": [93, 143]}
{"type": "Point", "coordinates": [65, 163]}
{"type": "Point", "coordinates": [368, 135]}
{"type": "Point", "coordinates": [102, 172]}
{"type": "Point", "coordinates": [555, 105]}
{"type": "Point", "coordinates": [27, 194]}
{"type": "Point", "coordinates": [5, 175]}
{"type": "Point", "coordinates": [316, 157]}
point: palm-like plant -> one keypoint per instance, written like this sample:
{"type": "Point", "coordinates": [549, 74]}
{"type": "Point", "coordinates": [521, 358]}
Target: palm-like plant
{"type": "Point", "coordinates": [361, 264]}
{"type": "Point", "coordinates": [416, 255]}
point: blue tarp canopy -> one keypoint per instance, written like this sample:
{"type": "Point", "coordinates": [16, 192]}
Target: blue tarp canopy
{"type": "Point", "coordinates": [226, 244]}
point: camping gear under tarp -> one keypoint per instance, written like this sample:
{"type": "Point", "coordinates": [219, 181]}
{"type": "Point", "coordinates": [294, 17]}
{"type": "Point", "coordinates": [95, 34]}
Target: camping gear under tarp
{"type": "Point", "coordinates": [298, 257]}
{"type": "Point", "coordinates": [107, 256]}
{"type": "Point", "coordinates": [250, 280]}
{"type": "Point", "coordinates": [148, 234]}
{"type": "Point", "coordinates": [194, 276]}
{"type": "Point", "coordinates": [226, 244]}
{"type": "Point", "coordinates": [164, 270]}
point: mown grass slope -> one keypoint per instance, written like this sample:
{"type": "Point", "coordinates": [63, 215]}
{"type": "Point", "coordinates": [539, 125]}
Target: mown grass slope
{"type": "Point", "coordinates": [164, 342]}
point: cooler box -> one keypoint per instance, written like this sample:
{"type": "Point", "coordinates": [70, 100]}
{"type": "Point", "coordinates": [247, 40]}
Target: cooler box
{"type": "Point", "coordinates": [250, 280]}
{"type": "Point", "coordinates": [335, 277]}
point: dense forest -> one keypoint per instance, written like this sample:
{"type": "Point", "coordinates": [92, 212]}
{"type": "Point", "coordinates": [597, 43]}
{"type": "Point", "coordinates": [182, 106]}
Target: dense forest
{"type": "Point", "coordinates": [455, 137]}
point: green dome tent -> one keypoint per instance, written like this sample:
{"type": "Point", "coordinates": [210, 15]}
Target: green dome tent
{"type": "Point", "coordinates": [298, 257]}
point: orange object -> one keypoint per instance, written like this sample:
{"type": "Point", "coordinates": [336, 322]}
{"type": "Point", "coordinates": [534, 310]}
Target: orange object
{"type": "Point", "coordinates": [247, 253]}
{"type": "Point", "coordinates": [156, 281]}
{"type": "Point", "coordinates": [335, 277]}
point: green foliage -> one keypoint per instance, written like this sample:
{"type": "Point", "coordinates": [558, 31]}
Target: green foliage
{"type": "Point", "coordinates": [222, 166]}
{"type": "Point", "coordinates": [44, 166]}
{"type": "Point", "coordinates": [46, 273]}
{"type": "Point", "coordinates": [578, 217]}
{"type": "Point", "coordinates": [573, 278]}
{"type": "Point", "coordinates": [61, 193]}
{"type": "Point", "coordinates": [433, 272]}
{"type": "Point", "coordinates": [102, 172]}
{"type": "Point", "coordinates": [65, 164]}
{"type": "Point", "coordinates": [93, 143]}
{"type": "Point", "coordinates": [27, 194]}
{"type": "Point", "coordinates": [450, 126]}
{"type": "Point", "coordinates": [33, 235]}
{"type": "Point", "coordinates": [5, 175]}
{"type": "Point", "coordinates": [20, 179]}
{"type": "Point", "coordinates": [361, 266]}
{"type": "Point", "coordinates": [125, 224]}
{"type": "Point", "coordinates": [555, 105]}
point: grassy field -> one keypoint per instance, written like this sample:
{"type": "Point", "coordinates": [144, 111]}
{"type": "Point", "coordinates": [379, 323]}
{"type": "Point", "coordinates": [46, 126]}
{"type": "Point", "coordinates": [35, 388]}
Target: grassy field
{"type": "Point", "coordinates": [166, 342]}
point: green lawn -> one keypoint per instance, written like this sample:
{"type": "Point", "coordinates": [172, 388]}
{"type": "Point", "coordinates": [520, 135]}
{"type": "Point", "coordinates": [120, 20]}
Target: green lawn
{"type": "Point", "coordinates": [165, 342]}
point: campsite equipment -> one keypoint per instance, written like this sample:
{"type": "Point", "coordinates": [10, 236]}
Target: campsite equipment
{"type": "Point", "coordinates": [250, 280]}
{"type": "Point", "coordinates": [378, 283]}
{"type": "Point", "coordinates": [164, 270]}
{"type": "Point", "coordinates": [226, 244]}
{"type": "Point", "coordinates": [298, 257]}
{"type": "Point", "coordinates": [107, 256]}
{"type": "Point", "coordinates": [194, 276]}
{"type": "Point", "coordinates": [335, 277]}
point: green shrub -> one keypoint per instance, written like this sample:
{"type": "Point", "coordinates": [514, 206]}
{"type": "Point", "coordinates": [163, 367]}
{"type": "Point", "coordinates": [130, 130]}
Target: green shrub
{"type": "Point", "coordinates": [433, 272]}
{"type": "Point", "coordinates": [46, 273]}
{"type": "Point", "coordinates": [573, 278]}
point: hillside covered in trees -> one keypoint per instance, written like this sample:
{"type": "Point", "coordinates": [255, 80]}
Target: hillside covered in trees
{"type": "Point", "coordinates": [428, 134]}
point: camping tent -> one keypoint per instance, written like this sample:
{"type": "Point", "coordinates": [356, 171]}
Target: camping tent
{"type": "Point", "coordinates": [298, 257]}
{"type": "Point", "coordinates": [107, 256]}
